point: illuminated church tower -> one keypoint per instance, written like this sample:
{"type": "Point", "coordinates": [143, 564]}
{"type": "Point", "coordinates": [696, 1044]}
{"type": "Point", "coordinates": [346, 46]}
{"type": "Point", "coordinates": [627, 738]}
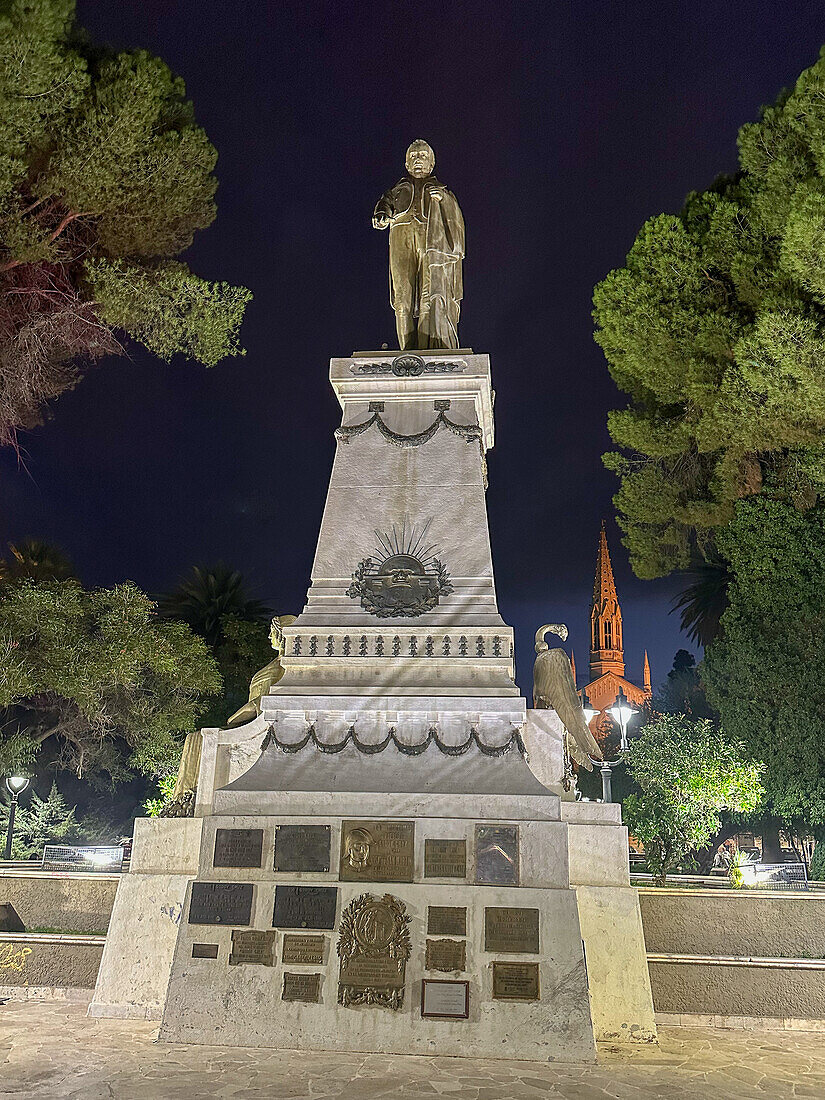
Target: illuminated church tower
{"type": "Point", "coordinates": [607, 667]}
{"type": "Point", "coordinates": [606, 645]}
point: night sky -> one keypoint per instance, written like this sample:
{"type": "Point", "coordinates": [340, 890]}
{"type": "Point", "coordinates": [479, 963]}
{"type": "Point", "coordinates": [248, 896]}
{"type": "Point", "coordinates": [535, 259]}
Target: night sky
{"type": "Point", "coordinates": [559, 126]}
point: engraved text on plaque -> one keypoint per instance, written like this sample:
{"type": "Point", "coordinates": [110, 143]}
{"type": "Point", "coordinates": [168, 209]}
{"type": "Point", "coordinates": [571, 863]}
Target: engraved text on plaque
{"type": "Point", "coordinates": [303, 949]}
{"type": "Point", "coordinates": [377, 851]}
{"type": "Point", "coordinates": [302, 847]}
{"type": "Point", "coordinates": [305, 906]}
{"type": "Point", "coordinates": [221, 903]}
{"type": "Point", "coordinates": [446, 920]}
{"type": "Point", "coordinates": [302, 987]}
{"type": "Point", "coordinates": [445, 859]}
{"type": "Point", "coordinates": [373, 949]}
{"type": "Point", "coordinates": [252, 947]}
{"type": "Point", "coordinates": [511, 930]}
{"type": "Point", "coordinates": [442, 1000]}
{"type": "Point", "coordinates": [515, 981]}
{"type": "Point", "coordinates": [447, 955]}
{"type": "Point", "coordinates": [238, 847]}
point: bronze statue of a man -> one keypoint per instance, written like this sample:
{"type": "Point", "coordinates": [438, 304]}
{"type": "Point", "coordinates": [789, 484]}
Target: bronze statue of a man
{"type": "Point", "coordinates": [426, 253]}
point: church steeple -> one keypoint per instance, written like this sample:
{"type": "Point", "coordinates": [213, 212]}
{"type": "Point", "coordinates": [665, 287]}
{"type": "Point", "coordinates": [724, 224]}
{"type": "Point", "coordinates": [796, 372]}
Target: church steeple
{"type": "Point", "coordinates": [606, 643]}
{"type": "Point", "coordinates": [646, 677]}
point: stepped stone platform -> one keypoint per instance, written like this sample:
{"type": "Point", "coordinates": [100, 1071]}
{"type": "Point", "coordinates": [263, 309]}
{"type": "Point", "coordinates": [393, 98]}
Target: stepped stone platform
{"type": "Point", "coordinates": [51, 1051]}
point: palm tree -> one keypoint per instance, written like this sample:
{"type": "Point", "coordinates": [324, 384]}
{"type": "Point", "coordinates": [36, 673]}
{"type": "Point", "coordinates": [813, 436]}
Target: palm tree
{"type": "Point", "coordinates": [35, 560]}
{"type": "Point", "coordinates": [204, 597]}
{"type": "Point", "coordinates": [705, 599]}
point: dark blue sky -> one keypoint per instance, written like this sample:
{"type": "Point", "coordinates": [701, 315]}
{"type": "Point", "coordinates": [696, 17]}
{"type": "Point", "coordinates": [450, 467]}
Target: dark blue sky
{"type": "Point", "coordinates": [560, 127]}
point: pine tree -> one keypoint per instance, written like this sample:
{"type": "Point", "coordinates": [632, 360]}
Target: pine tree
{"type": "Point", "coordinates": [104, 178]}
{"type": "Point", "coordinates": [715, 329]}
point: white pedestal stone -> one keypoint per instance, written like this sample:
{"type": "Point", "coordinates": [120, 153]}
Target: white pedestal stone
{"type": "Point", "coordinates": [398, 704]}
{"type": "Point", "coordinates": [445, 797]}
{"type": "Point", "coordinates": [143, 929]}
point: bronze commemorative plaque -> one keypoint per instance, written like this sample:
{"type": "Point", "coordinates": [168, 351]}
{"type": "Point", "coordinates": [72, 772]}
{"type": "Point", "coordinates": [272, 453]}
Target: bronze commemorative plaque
{"type": "Point", "coordinates": [377, 851]}
{"type": "Point", "coordinates": [221, 903]}
{"type": "Point", "coordinates": [302, 847]}
{"type": "Point", "coordinates": [515, 981]}
{"type": "Point", "coordinates": [511, 931]}
{"type": "Point", "coordinates": [373, 949]}
{"type": "Point", "coordinates": [446, 955]}
{"type": "Point", "coordinates": [497, 859]}
{"type": "Point", "coordinates": [305, 906]}
{"type": "Point", "coordinates": [445, 859]}
{"type": "Point", "coordinates": [303, 949]}
{"type": "Point", "coordinates": [446, 920]}
{"type": "Point", "coordinates": [204, 951]}
{"type": "Point", "coordinates": [302, 987]}
{"type": "Point", "coordinates": [252, 948]}
{"type": "Point", "coordinates": [238, 847]}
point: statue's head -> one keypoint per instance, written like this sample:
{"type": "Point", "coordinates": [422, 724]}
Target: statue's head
{"type": "Point", "coordinates": [420, 160]}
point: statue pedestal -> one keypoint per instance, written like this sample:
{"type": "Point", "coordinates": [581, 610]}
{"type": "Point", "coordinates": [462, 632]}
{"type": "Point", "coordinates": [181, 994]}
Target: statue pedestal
{"type": "Point", "coordinates": [511, 947]}
{"type": "Point", "coordinates": [378, 867]}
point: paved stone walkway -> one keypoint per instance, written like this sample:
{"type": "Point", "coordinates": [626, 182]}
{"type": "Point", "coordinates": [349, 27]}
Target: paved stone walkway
{"type": "Point", "coordinates": [49, 1049]}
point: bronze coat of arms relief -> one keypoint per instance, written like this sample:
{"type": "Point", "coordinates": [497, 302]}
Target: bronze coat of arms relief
{"type": "Point", "coordinates": [403, 578]}
{"type": "Point", "coordinates": [373, 949]}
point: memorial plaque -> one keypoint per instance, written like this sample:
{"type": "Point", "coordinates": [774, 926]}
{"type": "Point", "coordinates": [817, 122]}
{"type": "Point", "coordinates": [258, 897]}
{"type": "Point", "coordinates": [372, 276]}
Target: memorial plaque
{"type": "Point", "coordinates": [238, 847]}
{"type": "Point", "coordinates": [442, 1000]}
{"type": "Point", "coordinates": [373, 948]}
{"type": "Point", "coordinates": [497, 859]}
{"type": "Point", "coordinates": [252, 948]}
{"type": "Point", "coordinates": [446, 920]}
{"type": "Point", "coordinates": [445, 955]}
{"type": "Point", "coordinates": [204, 951]}
{"type": "Point", "coordinates": [305, 906]}
{"type": "Point", "coordinates": [303, 949]}
{"type": "Point", "coordinates": [221, 903]}
{"type": "Point", "coordinates": [515, 981]}
{"type": "Point", "coordinates": [377, 851]}
{"type": "Point", "coordinates": [445, 859]}
{"type": "Point", "coordinates": [302, 847]}
{"type": "Point", "coordinates": [511, 931]}
{"type": "Point", "coordinates": [302, 987]}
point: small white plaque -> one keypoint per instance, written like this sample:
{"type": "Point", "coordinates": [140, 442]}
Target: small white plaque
{"type": "Point", "coordinates": [445, 1000]}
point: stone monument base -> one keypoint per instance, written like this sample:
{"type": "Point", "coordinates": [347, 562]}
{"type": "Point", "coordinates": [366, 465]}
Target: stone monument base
{"type": "Point", "coordinates": [509, 960]}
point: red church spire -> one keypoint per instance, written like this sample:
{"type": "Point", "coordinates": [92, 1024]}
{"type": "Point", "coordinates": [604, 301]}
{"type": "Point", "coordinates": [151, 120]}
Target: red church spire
{"type": "Point", "coordinates": [606, 643]}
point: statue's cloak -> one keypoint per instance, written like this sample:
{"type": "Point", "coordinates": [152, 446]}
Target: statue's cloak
{"type": "Point", "coordinates": [445, 240]}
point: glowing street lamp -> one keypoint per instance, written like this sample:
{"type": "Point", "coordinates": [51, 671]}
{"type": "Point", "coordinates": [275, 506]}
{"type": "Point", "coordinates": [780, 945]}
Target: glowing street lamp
{"type": "Point", "coordinates": [15, 784]}
{"type": "Point", "coordinates": [621, 711]}
{"type": "Point", "coordinates": [589, 712]}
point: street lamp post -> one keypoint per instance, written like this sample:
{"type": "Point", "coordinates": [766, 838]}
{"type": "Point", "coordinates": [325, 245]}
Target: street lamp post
{"type": "Point", "coordinates": [621, 711]}
{"type": "Point", "coordinates": [15, 785]}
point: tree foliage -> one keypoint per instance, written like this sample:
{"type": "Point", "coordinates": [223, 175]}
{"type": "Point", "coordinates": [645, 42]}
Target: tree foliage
{"type": "Point", "coordinates": [43, 821]}
{"type": "Point", "coordinates": [207, 597]}
{"type": "Point", "coordinates": [688, 773]}
{"type": "Point", "coordinates": [715, 328]}
{"type": "Point", "coordinates": [764, 675]}
{"type": "Point", "coordinates": [98, 672]}
{"type": "Point", "coordinates": [35, 560]}
{"type": "Point", "coordinates": [216, 604]}
{"type": "Point", "coordinates": [104, 177]}
{"type": "Point", "coordinates": [682, 691]}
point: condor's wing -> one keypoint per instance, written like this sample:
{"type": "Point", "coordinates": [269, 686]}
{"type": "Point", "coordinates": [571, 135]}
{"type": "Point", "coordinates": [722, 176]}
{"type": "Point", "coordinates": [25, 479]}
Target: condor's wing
{"type": "Point", "coordinates": [553, 686]}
